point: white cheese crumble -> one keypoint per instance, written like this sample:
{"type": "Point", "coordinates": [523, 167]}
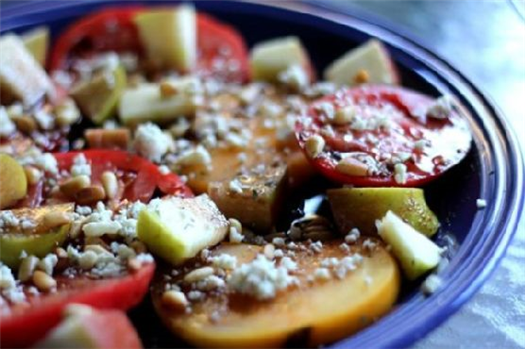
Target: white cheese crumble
{"type": "Point", "coordinates": [431, 284]}
{"type": "Point", "coordinates": [441, 108]}
{"type": "Point", "coordinates": [151, 142]}
{"type": "Point", "coordinates": [294, 77]}
{"type": "Point", "coordinates": [164, 170]}
{"type": "Point", "coordinates": [44, 119]}
{"type": "Point", "coordinates": [7, 127]}
{"type": "Point", "coordinates": [48, 263]}
{"type": "Point", "coordinates": [278, 242]}
{"type": "Point", "coordinates": [322, 273]}
{"type": "Point", "coordinates": [481, 203]}
{"type": "Point", "coordinates": [224, 261]}
{"type": "Point", "coordinates": [316, 247]}
{"type": "Point", "coordinates": [352, 236]}
{"type": "Point", "coordinates": [196, 156]}
{"type": "Point", "coordinates": [260, 279]}
{"type": "Point", "coordinates": [235, 236]}
{"type": "Point", "coordinates": [235, 186]}
{"type": "Point", "coordinates": [80, 166]}
{"type": "Point", "coordinates": [43, 161]}
{"type": "Point", "coordinates": [400, 173]}
{"type": "Point", "coordinates": [9, 287]}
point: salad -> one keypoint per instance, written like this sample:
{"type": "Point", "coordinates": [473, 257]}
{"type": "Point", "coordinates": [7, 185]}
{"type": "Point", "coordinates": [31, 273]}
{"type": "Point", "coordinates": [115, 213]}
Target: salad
{"type": "Point", "coordinates": [148, 153]}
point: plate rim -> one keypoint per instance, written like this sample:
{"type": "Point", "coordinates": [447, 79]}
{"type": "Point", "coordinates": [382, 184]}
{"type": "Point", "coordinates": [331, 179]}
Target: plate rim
{"type": "Point", "coordinates": [502, 137]}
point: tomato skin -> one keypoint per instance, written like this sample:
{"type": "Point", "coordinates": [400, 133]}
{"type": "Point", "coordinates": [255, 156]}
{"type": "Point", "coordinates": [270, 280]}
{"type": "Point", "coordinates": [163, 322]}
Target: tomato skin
{"type": "Point", "coordinates": [216, 42]}
{"type": "Point", "coordinates": [450, 139]}
{"type": "Point", "coordinates": [148, 176]}
{"type": "Point", "coordinates": [95, 29]}
{"type": "Point", "coordinates": [28, 323]}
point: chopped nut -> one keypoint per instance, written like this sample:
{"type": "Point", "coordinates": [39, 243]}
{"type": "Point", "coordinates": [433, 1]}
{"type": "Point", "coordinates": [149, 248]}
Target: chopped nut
{"type": "Point", "coordinates": [362, 77]}
{"type": "Point", "coordinates": [344, 115]}
{"type": "Point", "coordinates": [167, 89]}
{"type": "Point", "coordinates": [174, 299]}
{"type": "Point", "coordinates": [43, 281]}
{"type": "Point", "coordinates": [54, 219]}
{"type": "Point", "coordinates": [67, 112]}
{"type": "Point", "coordinates": [25, 123]}
{"type": "Point", "coordinates": [134, 264]}
{"type": "Point", "coordinates": [74, 185]}
{"type": "Point", "coordinates": [314, 145]}
{"type": "Point", "coordinates": [90, 195]}
{"type": "Point", "coordinates": [33, 175]}
{"type": "Point", "coordinates": [108, 138]}
{"type": "Point", "coordinates": [27, 268]}
{"type": "Point", "coordinates": [351, 166]}
{"type": "Point", "coordinates": [269, 251]}
{"type": "Point", "coordinates": [110, 184]}
{"type": "Point", "coordinates": [198, 274]}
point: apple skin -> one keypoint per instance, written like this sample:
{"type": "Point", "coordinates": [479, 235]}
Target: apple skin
{"type": "Point", "coordinates": [13, 182]}
{"type": "Point", "coordinates": [38, 241]}
{"type": "Point", "coordinates": [416, 253]}
{"type": "Point", "coordinates": [361, 207]}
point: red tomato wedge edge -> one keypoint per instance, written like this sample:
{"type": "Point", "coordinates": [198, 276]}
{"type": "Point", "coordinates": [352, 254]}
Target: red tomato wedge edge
{"type": "Point", "coordinates": [222, 50]}
{"type": "Point", "coordinates": [148, 176]}
{"type": "Point", "coordinates": [432, 145]}
{"type": "Point", "coordinates": [28, 323]}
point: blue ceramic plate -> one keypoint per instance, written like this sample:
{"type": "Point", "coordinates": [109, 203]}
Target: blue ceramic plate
{"type": "Point", "coordinates": [493, 170]}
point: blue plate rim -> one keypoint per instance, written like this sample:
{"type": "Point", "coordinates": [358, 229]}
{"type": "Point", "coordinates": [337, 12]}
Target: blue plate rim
{"type": "Point", "coordinates": [494, 135]}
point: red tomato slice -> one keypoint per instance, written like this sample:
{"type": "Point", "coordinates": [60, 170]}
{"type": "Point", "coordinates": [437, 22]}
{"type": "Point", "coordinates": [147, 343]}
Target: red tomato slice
{"type": "Point", "coordinates": [390, 126]}
{"type": "Point", "coordinates": [222, 51]}
{"type": "Point", "coordinates": [147, 175]}
{"type": "Point", "coordinates": [24, 324]}
{"type": "Point", "coordinates": [108, 30]}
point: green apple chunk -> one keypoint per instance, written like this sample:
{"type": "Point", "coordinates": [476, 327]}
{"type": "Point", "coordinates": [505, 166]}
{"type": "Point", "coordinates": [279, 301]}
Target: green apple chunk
{"type": "Point", "coordinates": [416, 253]}
{"type": "Point", "coordinates": [269, 58]}
{"type": "Point", "coordinates": [21, 76]}
{"type": "Point", "coordinates": [40, 237]}
{"type": "Point", "coordinates": [170, 36]}
{"type": "Point", "coordinates": [361, 207]}
{"type": "Point", "coordinates": [254, 199]}
{"type": "Point", "coordinates": [37, 42]}
{"type": "Point", "coordinates": [146, 103]}
{"type": "Point", "coordinates": [13, 182]}
{"type": "Point", "coordinates": [177, 229]}
{"type": "Point", "coordinates": [369, 63]}
{"type": "Point", "coordinates": [99, 96]}
{"type": "Point", "coordinates": [88, 328]}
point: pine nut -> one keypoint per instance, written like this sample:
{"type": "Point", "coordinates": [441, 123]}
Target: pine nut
{"type": "Point", "coordinates": [25, 123]}
{"type": "Point", "coordinates": [351, 166]}
{"type": "Point", "coordinates": [90, 195]}
{"type": "Point", "coordinates": [43, 281]}
{"type": "Point", "coordinates": [361, 77]}
{"type": "Point", "coordinates": [198, 274]}
{"type": "Point", "coordinates": [27, 268]}
{"type": "Point", "coordinates": [174, 299]}
{"type": "Point", "coordinates": [269, 251]}
{"type": "Point", "coordinates": [33, 175]}
{"type": "Point", "coordinates": [67, 112]}
{"type": "Point", "coordinates": [74, 185]}
{"type": "Point", "coordinates": [61, 253]}
{"type": "Point", "coordinates": [110, 183]}
{"type": "Point", "coordinates": [167, 89]}
{"type": "Point", "coordinates": [134, 264]}
{"type": "Point", "coordinates": [54, 219]}
{"type": "Point", "coordinates": [314, 145]}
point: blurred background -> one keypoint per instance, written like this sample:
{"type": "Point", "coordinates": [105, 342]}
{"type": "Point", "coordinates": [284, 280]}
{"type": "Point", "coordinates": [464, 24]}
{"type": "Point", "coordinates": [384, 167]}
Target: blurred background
{"type": "Point", "coordinates": [485, 40]}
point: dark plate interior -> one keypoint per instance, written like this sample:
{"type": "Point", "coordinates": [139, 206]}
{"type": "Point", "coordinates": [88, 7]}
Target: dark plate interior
{"type": "Point", "coordinates": [492, 169]}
